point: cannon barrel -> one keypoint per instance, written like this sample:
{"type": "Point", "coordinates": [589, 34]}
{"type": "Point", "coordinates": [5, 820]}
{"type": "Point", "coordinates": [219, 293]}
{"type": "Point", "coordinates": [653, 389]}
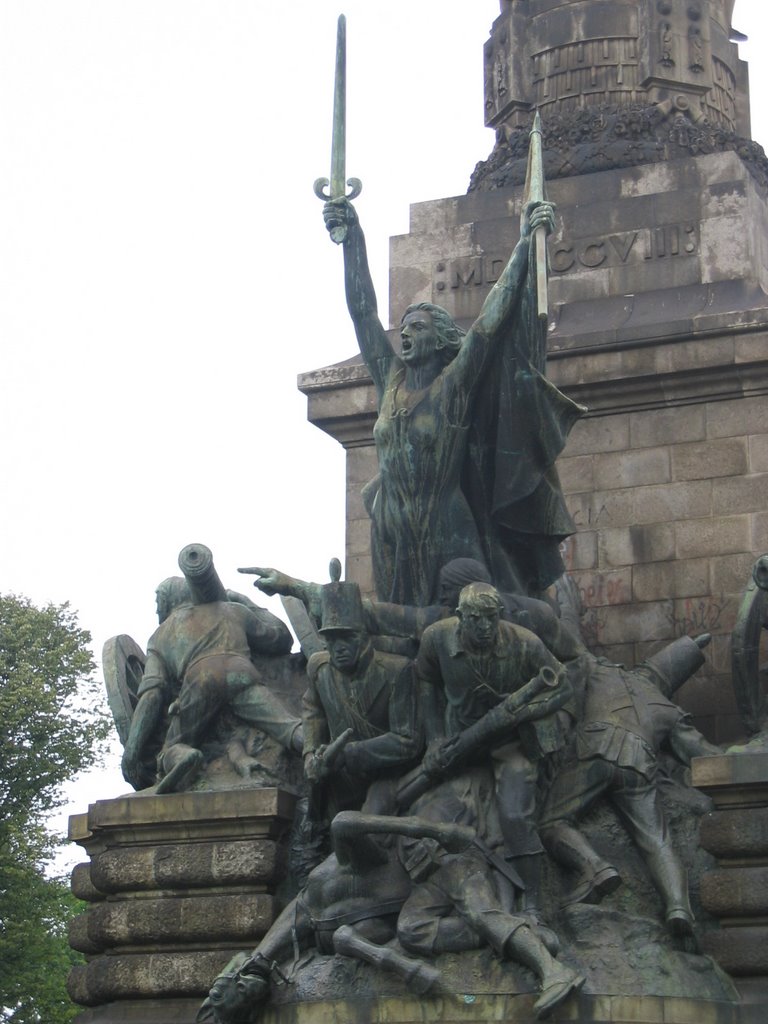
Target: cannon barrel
{"type": "Point", "coordinates": [196, 562]}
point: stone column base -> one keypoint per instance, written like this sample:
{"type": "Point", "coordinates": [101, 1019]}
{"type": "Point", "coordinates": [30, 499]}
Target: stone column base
{"type": "Point", "coordinates": [504, 1009]}
{"type": "Point", "coordinates": [736, 891]}
{"type": "Point", "coordinates": [176, 885]}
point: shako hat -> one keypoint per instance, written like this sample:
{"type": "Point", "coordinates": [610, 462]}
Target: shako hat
{"type": "Point", "coordinates": [673, 664]}
{"type": "Point", "coordinates": [341, 603]}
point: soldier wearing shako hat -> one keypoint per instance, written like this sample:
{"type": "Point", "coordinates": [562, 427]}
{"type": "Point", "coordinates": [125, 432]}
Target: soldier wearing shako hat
{"type": "Point", "coordinates": [627, 718]}
{"type": "Point", "coordinates": [360, 724]}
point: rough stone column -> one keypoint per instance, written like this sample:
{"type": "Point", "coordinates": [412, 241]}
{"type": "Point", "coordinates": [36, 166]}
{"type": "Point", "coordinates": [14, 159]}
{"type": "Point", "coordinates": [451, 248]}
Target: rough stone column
{"type": "Point", "coordinates": [564, 55]}
{"type": "Point", "coordinates": [176, 885]}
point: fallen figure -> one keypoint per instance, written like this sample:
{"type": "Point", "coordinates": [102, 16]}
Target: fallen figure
{"type": "Point", "coordinates": [350, 906]}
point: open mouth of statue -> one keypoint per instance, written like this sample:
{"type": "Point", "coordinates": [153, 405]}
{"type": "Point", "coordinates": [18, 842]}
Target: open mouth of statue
{"type": "Point", "coordinates": [406, 345]}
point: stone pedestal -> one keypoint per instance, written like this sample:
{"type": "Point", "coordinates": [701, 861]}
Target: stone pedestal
{"type": "Point", "coordinates": [504, 1009]}
{"type": "Point", "coordinates": [176, 885]}
{"type": "Point", "coordinates": [736, 891]}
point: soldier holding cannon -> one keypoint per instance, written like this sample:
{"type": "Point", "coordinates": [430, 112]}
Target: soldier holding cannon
{"type": "Point", "coordinates": [198, 664]}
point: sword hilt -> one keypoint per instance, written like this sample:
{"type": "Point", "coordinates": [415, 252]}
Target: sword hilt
{"type": "Point", "coordinates": [338, 233]}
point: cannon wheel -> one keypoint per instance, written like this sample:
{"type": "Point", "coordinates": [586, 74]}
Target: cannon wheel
{"type": "Point", "coordinates": [123, 664]}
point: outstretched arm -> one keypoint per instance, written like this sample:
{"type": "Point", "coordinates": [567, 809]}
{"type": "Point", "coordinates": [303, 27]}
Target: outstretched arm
{"type": "Point", "coordinates": [687, 742]}
{"type": "Point", "coordinates": [272, 581]}
{"type": "Point", "coordinates": [503, 297]}
{"type": "Point", "coordinates": [487, 332]}
{"type": "Point", "coordinates": [349, 827]}
{"type": "Point", "coordinates": [374, 344]}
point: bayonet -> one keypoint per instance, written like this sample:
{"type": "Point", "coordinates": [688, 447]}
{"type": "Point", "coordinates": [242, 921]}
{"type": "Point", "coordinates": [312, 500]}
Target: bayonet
{"type": "Point", "coordinates": [535, 191]}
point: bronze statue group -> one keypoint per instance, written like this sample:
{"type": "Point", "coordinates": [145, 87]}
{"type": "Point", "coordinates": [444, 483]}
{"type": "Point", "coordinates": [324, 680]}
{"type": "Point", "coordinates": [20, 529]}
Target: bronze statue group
{"type": "Point", "coordinates": [453, 732]}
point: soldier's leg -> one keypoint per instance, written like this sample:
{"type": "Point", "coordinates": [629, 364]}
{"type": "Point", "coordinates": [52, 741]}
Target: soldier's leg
{"type": "Point", "coordinates": [640, 806]}
{"type": "Point", "coordinates": [557, 981]}
{"type": "Point", "coordinates": [245, 981]}
{"type": "Point", "coordinates": [465, 881]}
{"type": "Point", "coordinates": [201, 699]}
{"type": "Point", "coordinates": [292, 924]}
{"type": "Point", "coordinates": [575, 789]}
{"type": "Point", "coordinates": [178, 766]}
{"type": "Point", "coordinates": [428, 924]}
{"type": "Point", "coordinates": [180, 761]}
{"type": "Point", "coordinates": [254, 703]}
{"type": "Point", "coordinates": [516, 780]}
{"type": "Point", "coordinates": [350, 941]}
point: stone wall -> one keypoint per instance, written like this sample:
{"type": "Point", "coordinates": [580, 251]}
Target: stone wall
{"type": "Point", "coordinates": [671, 508]}
{"type": "Point", "coordinates": [736, 889]}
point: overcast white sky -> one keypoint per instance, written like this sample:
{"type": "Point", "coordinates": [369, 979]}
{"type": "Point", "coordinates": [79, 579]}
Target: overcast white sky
{"type": "Point", "coordinates": [166, 275]}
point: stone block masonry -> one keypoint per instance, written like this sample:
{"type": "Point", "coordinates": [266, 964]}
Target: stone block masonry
{"type": "Point", "coordinates": [175, 886]}
{"type": "Point", "coordinates": [679, 523]}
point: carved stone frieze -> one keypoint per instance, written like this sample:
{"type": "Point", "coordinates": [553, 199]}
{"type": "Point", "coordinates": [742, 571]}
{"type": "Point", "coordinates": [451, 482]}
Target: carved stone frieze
{"type": "Point", "coordinates": [601, 138]}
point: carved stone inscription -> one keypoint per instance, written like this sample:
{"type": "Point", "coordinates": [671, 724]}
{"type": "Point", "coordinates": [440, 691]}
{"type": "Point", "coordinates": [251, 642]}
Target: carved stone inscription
{"type": "Point", "coordinates": [635, 246]}
{"type": "Point", "coordinates": [624, 247]}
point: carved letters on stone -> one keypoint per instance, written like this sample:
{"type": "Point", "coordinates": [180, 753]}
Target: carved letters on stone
{"type": "Point", "coordinates": [601, 251]}
{"type": "Point", "coordinates": [626, 247]}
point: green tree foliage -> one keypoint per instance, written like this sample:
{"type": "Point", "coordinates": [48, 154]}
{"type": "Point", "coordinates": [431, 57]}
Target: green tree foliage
{"type": "Point", "coordinates": [52, 725]}
{"type": "Point", "coordinates": [35, 957]}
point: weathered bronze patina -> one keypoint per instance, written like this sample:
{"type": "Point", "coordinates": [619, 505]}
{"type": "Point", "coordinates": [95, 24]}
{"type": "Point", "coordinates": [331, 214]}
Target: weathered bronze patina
{"type": "Point", "coordinates": [361, 897]}
{"type": "Point", "coordinates": [467, 433]}
{"type": "Point", "coordinates": [360, 720]}
{"type": "Point", "coordinates": [625, 721]}
{"type": "Point", "coordinates": [199, 666]}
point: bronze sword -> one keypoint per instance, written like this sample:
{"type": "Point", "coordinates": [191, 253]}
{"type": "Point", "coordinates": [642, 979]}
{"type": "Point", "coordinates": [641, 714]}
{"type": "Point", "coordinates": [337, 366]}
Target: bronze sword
{"type": "Point", "coordinates": [337, 186]}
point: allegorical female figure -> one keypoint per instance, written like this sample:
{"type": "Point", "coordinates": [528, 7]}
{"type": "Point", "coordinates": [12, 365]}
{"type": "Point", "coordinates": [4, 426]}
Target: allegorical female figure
{"type": "Point", "coordinates": [467, 433]}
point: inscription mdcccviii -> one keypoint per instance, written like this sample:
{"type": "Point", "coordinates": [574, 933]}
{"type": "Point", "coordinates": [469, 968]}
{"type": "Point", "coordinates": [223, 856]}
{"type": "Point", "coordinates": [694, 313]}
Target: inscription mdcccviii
{"type": "Point", "coordinates": [625, 247]}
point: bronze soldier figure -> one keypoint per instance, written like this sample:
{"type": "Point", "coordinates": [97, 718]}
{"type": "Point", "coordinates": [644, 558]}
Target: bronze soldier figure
{"type": "Point", "coordinates": [360, 715]}
{"type": "Point", "coordinates": [626, 720]}
{"type": "Point", "coordinates": [199, 664]}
